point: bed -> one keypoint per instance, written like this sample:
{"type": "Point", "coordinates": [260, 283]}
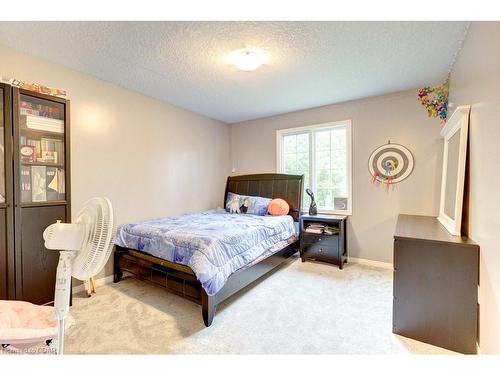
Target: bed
{"type": "Point", "coordinates": [236, 258]}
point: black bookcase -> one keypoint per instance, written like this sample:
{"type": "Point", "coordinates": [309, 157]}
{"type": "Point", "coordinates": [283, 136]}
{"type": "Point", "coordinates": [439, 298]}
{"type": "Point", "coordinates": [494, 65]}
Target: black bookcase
{"type": "Point", "coordinates": [37, 179]}
{"type": "Point", "coordinates": [7, 284]}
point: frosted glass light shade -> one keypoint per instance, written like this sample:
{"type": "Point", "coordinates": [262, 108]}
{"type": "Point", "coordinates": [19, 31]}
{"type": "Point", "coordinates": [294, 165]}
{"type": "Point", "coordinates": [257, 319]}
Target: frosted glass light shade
{"type": "Point", "coordinates": [248, 59]}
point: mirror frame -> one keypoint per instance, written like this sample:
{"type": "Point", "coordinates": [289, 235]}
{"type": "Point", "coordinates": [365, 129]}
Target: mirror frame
{"type": "Point", "coordinates": [458, 122]}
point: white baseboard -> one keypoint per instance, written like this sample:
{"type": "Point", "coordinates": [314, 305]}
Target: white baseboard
{"type": "Point", "coordinates": [98, 282]}
{"type": "Point", "coordinates": [373, 263]}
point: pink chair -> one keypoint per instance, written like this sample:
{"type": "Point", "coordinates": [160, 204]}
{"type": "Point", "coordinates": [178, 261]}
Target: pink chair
{"type": "Point", "coordinates": [24, 325]}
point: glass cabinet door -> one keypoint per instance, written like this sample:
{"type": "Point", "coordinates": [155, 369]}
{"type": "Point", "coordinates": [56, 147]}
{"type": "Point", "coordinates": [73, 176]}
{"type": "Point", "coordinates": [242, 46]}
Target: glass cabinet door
{"type": "Point", "coordinates": [42, 150]}
{"type": "Point", "coordinates": [2, 148]}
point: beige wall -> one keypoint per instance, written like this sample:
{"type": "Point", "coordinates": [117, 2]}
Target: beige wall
{"type": "Point", "coordinates": [150, 158]}
{"type": "Point", "coordinates": [398, 117]}
{"type": "Point", "coordinates": [475, 80]}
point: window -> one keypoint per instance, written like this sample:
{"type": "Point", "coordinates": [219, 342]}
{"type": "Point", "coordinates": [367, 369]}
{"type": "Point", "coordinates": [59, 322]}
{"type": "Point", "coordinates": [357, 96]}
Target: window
{"type": "Point", "coordinates": [323, 154]}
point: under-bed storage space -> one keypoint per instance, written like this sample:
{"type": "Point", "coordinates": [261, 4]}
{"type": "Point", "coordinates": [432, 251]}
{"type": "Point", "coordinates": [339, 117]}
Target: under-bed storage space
{"type": "Point", "coordinates": [175, 281]}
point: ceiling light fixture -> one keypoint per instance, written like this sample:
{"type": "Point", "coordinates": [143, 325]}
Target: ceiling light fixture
{"type": "Point", "coordinates": [248, 59]}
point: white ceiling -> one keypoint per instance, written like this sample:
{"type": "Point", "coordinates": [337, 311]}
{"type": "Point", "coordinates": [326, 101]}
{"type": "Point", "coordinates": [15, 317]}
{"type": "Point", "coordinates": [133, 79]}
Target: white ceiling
{"type": "Point", "coordinates": [183, 63]}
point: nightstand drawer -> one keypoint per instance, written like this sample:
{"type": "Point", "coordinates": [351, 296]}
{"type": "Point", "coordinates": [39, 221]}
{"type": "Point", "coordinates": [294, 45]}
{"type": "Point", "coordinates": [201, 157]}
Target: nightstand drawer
{"type": "Point", "coordinates": [327, 240]}
{"type": "Point", "coordinates": [320, 251]}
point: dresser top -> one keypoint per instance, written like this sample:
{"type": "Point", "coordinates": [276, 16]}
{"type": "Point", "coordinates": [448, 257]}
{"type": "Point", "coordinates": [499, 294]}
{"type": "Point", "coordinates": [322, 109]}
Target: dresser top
{"type": "Point", "coordinates": [427, 228]}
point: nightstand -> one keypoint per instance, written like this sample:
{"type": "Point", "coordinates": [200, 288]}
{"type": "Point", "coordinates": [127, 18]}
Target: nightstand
{"type": "Point", "coordinates": [323, 238]}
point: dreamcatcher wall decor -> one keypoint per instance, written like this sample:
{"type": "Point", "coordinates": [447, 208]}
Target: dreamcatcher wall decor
{"type": "Point", "coordinates": [390, 164]}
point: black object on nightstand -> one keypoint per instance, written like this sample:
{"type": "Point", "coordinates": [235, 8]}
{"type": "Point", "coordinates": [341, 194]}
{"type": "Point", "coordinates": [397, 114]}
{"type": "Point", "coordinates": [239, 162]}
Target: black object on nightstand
{"type": "Point", "coordinates": [323, 238]}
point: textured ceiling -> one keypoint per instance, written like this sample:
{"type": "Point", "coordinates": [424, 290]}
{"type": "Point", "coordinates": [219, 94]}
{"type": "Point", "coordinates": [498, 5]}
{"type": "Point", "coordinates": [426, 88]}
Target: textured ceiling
{"type": "Point", "coordinates": [183, 63]}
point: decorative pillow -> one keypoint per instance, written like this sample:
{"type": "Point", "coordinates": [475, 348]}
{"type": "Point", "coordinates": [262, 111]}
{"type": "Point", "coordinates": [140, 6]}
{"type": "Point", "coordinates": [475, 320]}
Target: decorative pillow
{"type": "Point", "coordinates": [278, 207]}
{"type": "Point", "coordinates": [243, 204]}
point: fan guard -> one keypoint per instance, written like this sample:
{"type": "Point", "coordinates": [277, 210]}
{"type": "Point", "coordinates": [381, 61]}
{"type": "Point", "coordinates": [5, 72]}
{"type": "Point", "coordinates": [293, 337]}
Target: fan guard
{"type": "Point", "coordinates": [98, 222]}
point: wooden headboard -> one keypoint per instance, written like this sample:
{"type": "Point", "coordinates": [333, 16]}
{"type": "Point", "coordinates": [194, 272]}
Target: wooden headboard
{"type": "Point", "coordinates": [269, 185]}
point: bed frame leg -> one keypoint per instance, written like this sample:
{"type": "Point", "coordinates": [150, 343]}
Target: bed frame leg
{"type": "Point", "coordinates": [117, 277]}
{"type": "Point", "coordinates": [208, 308]}
{"type": "Point", "coordinates": [117, 273]}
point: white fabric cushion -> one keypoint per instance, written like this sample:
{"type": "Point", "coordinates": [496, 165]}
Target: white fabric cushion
{"type": "Point", "coordinates": [25, 322]}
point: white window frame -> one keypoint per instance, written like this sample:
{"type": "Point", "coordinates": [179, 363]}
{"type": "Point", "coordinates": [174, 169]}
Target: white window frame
{"type": "Point", "coordinates": [312, 162]}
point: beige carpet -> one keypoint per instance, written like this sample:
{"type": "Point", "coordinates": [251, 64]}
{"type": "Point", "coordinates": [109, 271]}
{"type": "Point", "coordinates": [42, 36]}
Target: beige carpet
{"type": "Point", "coordinates": [301, 308]}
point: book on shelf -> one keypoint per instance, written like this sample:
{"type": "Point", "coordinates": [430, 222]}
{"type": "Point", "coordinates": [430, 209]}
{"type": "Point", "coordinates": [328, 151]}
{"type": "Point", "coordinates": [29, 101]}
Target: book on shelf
{"type": "Point", "coordinates": [321, 229]}
{"type": "Point", "coordinates": [48, 157]}
{"type": "Point", "coordinates": [28, 153]}
{"type": "Point", "coordinates": [30, 149]}
{"type": "Point", "coordinates": [42, 183]}
{"type": "Point", "coordinates": [44, 150]}
{"type": "Point", "coordinates": [42, 123]}
{"type": "Point", "coordinates": [25, 183]}
{"type": "Point", "coordinates": [29, 108]}
{"type": "Point", "coordinates": [61, 184]}
{"type": "Point", "coordinates": [51, 184]}
{"type": "Point", "coordinates": [38, 113]}
{"type": "Point", "coordinates": [31, 143]}
{"type": "Point", "coordinates": [55, 184]}
{"type": "Point", "coordinates": [331, 230]}
{"type": "Point", "coordinates": [315, 231]}
{"type": "Point", "coordinates": [314, 228]}
{"type": "Point", "coordinates": [52, 150]}
{"type": "Point", "coordinates": [38, 183]}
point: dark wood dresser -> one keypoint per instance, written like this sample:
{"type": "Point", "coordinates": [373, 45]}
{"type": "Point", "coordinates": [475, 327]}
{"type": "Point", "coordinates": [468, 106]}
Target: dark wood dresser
{"type": "Point", "coordinates": [436, 278]}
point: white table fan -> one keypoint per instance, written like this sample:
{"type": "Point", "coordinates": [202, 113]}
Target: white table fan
{"type": "Point", "coordinates": [85, 247]}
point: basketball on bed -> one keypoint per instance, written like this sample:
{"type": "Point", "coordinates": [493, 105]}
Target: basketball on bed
{"type": "Point", "coordinates": [278, 207]}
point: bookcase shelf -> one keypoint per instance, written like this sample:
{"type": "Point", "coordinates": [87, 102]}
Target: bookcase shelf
{"type": "Point", "coordinates": [36, 167]}
{"type": "Point", "coordinates": [42, 133]}
{"type": "Point", "coordinates": [43, 204]}
{"type": "Point", "coordinates": [40, 164]}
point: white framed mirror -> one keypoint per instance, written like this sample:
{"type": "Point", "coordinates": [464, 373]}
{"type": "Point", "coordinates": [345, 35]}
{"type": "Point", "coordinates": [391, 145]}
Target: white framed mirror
{"type": "Point", "coordinates": [455, 134]}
